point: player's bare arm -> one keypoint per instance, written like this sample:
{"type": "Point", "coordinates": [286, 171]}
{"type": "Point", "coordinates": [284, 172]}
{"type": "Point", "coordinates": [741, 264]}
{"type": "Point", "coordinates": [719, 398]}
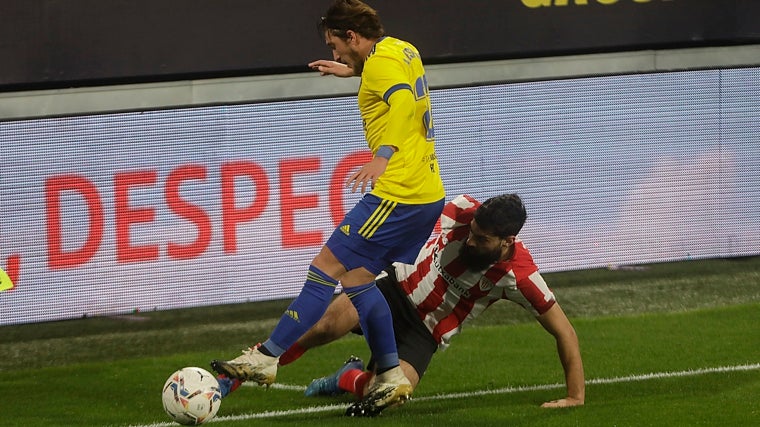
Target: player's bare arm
{"type": "Point", "coordinates": [556, 323]}
{"type": "Point", "coordinates": [326, 67]}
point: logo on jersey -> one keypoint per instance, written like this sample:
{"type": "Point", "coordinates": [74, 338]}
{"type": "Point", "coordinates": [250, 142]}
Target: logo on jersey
{"type": "Point", "coordinates": [485, 285]}
{"type": "Point", "coordinates": [346, 229]}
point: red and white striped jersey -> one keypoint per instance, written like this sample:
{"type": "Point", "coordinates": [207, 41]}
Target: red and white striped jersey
{"type": "Point", "coordinates": [447, 294]}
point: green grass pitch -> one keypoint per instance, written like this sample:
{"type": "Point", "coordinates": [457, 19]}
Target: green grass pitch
{"type": "Point", "coordinates": [673, 344]}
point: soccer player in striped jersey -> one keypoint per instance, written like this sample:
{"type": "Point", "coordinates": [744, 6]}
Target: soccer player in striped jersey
{"type": "Point", "coordinates": [476, 260]}
{"type": "Point", "coordinates": [389, 224]}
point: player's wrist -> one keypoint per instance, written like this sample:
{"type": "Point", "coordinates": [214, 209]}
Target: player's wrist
{"type": "Point", "coordinates": [385, 151]}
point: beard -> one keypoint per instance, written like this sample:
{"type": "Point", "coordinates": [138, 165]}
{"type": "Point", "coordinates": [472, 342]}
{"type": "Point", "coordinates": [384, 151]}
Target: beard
{"type": "Point", "coordinates": [357, 63]}
{"type": "Point", "coordinates": [358, 68]}
{"type": "Point", "coordinates": [478, 260]}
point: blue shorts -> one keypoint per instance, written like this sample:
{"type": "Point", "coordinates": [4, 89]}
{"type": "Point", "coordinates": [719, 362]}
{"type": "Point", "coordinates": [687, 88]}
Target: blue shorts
{"type": "Point", "coordinates": [377, 232]}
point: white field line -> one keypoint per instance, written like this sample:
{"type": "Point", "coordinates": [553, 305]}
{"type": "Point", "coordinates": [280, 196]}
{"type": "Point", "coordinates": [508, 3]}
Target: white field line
{"type": "Point", "coordinates": [447, 396]}
{"type": "Point", "coordinates": [278, 386]}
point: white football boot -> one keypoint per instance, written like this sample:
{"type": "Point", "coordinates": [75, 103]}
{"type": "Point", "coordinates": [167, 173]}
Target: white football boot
{"type": "Point", "coordinates": [252, 365]}
{"type": "Point", "coordinates": [391, 388]}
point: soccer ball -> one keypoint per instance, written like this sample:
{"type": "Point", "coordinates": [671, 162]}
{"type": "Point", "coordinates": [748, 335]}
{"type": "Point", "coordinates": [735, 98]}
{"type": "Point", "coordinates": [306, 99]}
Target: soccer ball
{"type": "Point", "coordinates": [191, 396]}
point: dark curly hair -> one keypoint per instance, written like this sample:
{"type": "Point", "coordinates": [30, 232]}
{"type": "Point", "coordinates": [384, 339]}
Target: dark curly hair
{"type": "Point", "coordinates": [502, 215]}
{"type": "Point", "coordinates": [344, 15]}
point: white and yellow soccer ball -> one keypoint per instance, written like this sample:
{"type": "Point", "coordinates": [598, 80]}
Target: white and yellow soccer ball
{"type": "Point", "coordinates": [191, 396]}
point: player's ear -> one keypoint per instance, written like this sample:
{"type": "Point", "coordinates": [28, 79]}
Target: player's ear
{"type": "Point", "coordinates": [509, 241]}
{"type": "Point", "coordinates": [350, 36]}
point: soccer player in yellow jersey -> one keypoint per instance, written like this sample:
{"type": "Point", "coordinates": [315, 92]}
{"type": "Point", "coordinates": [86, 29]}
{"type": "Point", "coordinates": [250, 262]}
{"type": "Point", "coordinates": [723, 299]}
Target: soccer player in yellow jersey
{"type": "Point", "coordinates": [390, 223]}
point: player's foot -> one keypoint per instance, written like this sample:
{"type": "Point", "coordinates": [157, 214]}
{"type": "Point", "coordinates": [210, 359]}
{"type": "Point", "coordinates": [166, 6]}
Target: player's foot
{"type": "Point", "coordinates": [252, 365]}
{"type": "Point", "coordinates": [328, 386]}
{"type": "Point", "coordinates": [227, 385]}
{"type": "Point", "coordinates": [391, 388]}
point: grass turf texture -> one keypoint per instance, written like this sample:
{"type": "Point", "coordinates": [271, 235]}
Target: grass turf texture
{"type": "Point", "coordinates": [670, 317]}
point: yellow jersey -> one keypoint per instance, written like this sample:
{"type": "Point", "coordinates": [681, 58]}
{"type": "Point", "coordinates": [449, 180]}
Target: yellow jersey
{"type": "Point", "coordinates": [394, 102]}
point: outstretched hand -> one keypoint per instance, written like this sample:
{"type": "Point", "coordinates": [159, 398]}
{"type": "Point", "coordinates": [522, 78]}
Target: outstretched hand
{"type": "Point", "coordinates": [334, 68]}
{"type": "Point", "coordinates": [367, 175]}
{"type": "Point", "coordinates": [563, 403]}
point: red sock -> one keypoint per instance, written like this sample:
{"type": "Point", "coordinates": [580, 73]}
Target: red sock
{"type": "Point", "coordinates": [235, 384]}
{"type": "Point", "coordinates": [354, 380]}
{"type": "Point", "coordinates": [292, 354]}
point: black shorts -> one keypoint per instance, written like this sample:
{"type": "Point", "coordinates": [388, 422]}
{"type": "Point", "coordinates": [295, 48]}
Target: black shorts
{"type": "Point", "coordinates": [415, 343]}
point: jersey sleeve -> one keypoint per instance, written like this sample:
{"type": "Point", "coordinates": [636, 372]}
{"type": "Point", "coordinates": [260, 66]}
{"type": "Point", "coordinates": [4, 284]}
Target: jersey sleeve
{"type": "Point", "coordinates": [383, 76]}
{"type": "Point", "coordinates": [537, 293]}
{"type": "Point", "coordinates": [400, 120]}
{"type": "Point", "coordinates": [537, 297]}
{"type": "Point", "coordinates": [458, 212]}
